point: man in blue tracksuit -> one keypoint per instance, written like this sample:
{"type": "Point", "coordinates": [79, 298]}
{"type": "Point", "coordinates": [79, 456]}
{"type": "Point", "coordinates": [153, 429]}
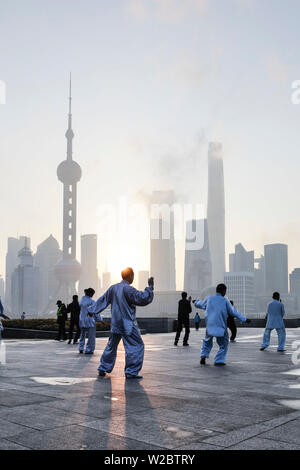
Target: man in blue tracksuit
{"type": "Point", "coordinates": [217, 308]}
{"type": "Point", "coordinates": [123, 299]}
{"type": "Point", "coordinates": [275, 321]}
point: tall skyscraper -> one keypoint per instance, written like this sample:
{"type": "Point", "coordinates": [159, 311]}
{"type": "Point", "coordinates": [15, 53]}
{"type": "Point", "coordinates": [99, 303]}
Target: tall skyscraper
{"type": "Point", "coordinates": [295, 285]}
{"type": "Point", "coordinates": [2, 289]}
{"type": "Point", "coordinates": [276, 268]}
{"type": "Point", "coordinates": [14, 245]}
{"type": "Point", "coordinates": [241, 259]}
{"type": "Point", "coordinates": [162, 243]}
{"type": "Point", "coordinates": [69, 173]}
{"type": "Point", "coordinates": [46, 258]}
{"type": "Point", "coordinates": [216, 212]}
{"type": "Point", "coordinates": [25, 280]}
{"type": "Point", "coordinates": [197, 266]}
{"type": "Point", "coordinates": [89, 272]}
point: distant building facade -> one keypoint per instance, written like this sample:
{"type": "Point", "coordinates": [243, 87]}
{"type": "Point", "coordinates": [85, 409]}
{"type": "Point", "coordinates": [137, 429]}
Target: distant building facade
{"type": "Point", "coordinates": [14, 245]}
{"type": "Point", "coordinates": [295, 285]}
{"type": "Point", "coordinates": [216, 211]}
{"type": "Point", "coordinates": [162, 242]}
{"type": "Point", "coordinates": [197, 264]}
{"type": "Point", "coordinates": [89, 258]}
{"type": "Point", "coordinates": [25, 284]}
{"type": "Point", "coordinates": [240, 289]}
{"type": "Point", "coordinates": [276, 268]}
{"type": "Point", "coordinates": [241, 260]}
{"type": "Point", "coordinates": [46, 258]}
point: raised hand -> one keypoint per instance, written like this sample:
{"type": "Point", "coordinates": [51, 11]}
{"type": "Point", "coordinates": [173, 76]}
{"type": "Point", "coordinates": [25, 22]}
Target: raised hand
{"type": "Point", "coordinates": [151, 282]}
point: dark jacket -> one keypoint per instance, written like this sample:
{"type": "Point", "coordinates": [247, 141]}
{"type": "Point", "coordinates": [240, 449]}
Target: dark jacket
{"type": "Point", "coordinates": [184, 308]}
{"type": "Point", "coordinates": [62, 314]}
{"type": "Point", "coordinates": [74, 309]}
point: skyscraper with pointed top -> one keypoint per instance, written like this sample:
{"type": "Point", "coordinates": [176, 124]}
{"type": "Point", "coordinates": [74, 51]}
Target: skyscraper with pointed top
{"type": "Point", "coordinates": [216, 211]}
{"type": "Point", "coordinates": [69, 173]}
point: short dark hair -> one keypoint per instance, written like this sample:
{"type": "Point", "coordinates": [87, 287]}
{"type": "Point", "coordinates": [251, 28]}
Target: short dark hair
{"type": "Point", "coordinates": [276, 296]}
{"type": "Point", "coordinates": [184, 295]}
{"type": "Point", "coordinates": [221, 288]}
{"type": "Point", "coordinates": [75, 297]}
{"type": "Point", "coordinates": [89, 292]}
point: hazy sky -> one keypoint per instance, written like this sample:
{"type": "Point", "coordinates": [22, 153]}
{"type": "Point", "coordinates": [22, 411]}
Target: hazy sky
{"type": "Point", "coordinates": [153, 82]}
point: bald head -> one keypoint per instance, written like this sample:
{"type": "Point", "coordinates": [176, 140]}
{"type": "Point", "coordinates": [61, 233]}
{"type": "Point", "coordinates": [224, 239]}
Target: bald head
{"type": "Point", "coordinates": [128, 275]}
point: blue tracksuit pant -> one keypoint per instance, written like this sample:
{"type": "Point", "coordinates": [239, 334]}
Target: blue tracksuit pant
{"type": "Point", "coordinates": [134, 352]}
{"type": "Point", "coordinates": [90, 347]}
{"type": "Point", "coordinates": [281, 338]}
{"type": "Point", "coordinates": [207, 345]}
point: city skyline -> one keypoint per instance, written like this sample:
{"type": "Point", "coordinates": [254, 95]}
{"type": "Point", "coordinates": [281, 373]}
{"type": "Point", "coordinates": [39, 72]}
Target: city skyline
{"type": "Point", "coordinates": [195, 79]}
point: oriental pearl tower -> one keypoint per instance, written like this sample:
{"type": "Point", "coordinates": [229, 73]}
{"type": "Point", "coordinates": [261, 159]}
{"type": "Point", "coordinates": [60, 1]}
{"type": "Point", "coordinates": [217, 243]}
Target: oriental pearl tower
{"type": "Point", "coordinates": [68, 269]}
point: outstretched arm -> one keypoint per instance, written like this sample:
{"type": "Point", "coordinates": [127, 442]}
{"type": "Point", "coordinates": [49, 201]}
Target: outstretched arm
{"type": "Point", "coordinates": [201, 304]}
{"type": "Point", "coordinates": [101, 303]}
{"type": "Point", "coordinates": [139, 298]}
{"type": "Point", "coordinates": [234, 313]}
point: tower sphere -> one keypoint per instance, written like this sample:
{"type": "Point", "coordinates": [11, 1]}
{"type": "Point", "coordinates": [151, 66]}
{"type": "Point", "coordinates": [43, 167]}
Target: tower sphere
{"type": "Point", "coordinates": [69, 172]}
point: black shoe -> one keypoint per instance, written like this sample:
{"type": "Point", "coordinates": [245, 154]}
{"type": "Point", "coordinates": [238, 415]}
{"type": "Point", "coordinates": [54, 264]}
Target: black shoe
{"type": "Point", "coordinates": [101, 373]}
{"type": "Point", "coordinates": [185, 344]}
{"type": "Point", "coordinates": [220, 364]}
{"type": "Point", "coordinates": [202, 362]}
{"type": "Point", "coordinates": [75, 342]}
{"type": "Point", "coordinates": [70, 341]}
{"type": "Point", "coordinates": [80, 352]}
{"type": "Point", "coordinates": [262, 349]}
{"type": "Point", "coordinates": [175, 344]}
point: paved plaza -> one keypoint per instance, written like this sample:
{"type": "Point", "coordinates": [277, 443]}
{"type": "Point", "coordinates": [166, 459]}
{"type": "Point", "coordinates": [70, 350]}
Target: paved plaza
{"type": "Point", "coordinates": [52, 398]}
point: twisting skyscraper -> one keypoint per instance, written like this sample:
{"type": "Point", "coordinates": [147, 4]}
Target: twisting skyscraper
{"type": "Point", "coordinates": [216, 212]}
{"type": "Point", "coordinates": [69, 173]}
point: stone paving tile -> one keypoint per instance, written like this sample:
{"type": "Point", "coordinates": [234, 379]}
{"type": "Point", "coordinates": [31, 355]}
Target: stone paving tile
{"type": "Point", "coordinates": [80, 438]}
{"type": "Point", "coordinates": [8, 445]}
{"type": "Point", "coordinates": [288, 432]}
{"type": "Point", "coordinates": [39, 417]}
{"type": "Point", "coordinates": [258, 443]}
{"type": "Point", "coordinates": [17, 397]}
{"type": "Point", "coordinates": [8, 428]}
{"type": "Point", "coordinates": [238, 405]}
{"type": "Point", "coordinates": [151, 429]}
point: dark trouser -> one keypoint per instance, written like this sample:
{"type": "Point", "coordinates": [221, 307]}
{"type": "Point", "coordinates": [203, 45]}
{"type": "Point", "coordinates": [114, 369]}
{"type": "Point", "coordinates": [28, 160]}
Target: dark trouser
{"type": "Point", "coordinates": [77, 334]}
{"type": "Point", "coordinates": [61, 331]}
{"type": "Point", "coordinates": [232, 326]}
{"type": "Point", "coordinates": [197, 324]}
{"type": "Point", "coordinates": [186, 323]}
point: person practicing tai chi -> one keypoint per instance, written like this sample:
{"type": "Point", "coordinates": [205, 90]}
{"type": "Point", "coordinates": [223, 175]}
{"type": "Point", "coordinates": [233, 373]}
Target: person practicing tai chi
{"type": "Point", "coordinates": [123, 299]}
{"type": "Point", "coordinates": [87, 323]}
{"type": "Point", "coordinates": [184, 310]}
{"type": "Point", "coordinates": [275, 321]}
{"type": "Point", "coordinates": [217, 309]}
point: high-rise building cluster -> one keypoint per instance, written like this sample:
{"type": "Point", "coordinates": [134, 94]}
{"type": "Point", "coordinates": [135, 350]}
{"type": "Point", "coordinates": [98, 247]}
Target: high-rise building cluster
{"type": "Point", "coordinates": [34, 282]}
